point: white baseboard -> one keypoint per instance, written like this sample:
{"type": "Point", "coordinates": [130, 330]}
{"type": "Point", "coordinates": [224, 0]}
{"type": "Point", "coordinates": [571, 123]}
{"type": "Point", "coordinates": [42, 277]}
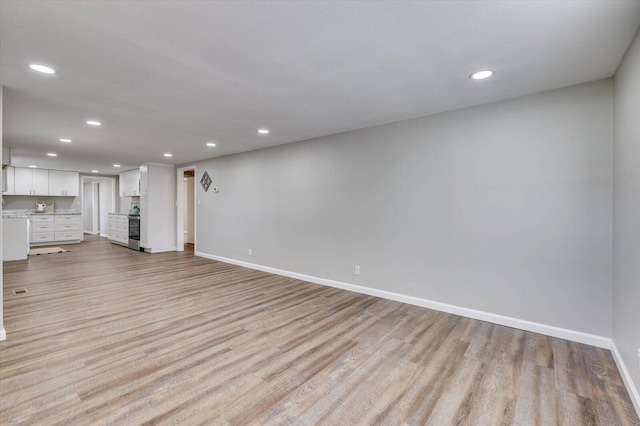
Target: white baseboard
{"type": "Point", "coordinates": [626, 377]}
{"type": "Point", "coordinates": [549, 330]}
{"type": "Point", "coordinates": [3, 334]}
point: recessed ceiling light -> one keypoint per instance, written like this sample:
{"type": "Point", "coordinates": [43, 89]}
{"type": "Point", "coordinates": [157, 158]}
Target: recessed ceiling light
{"type": "Point", "coordinates": [263, 131]}
{"type": "Point", "coordinates": [166, 154]}
{"type": "Point", "coordinates": [42, 68]}
{"type": "Point", "coordinates": [94, 171]}
{"type": "Point", "coordinates": [65, 140]}
{"type": "Point", "coordinates": [52, 154]}
{"type": "Point", "coordinates": [481, 75]}
{"type": "Point", "coordinates": [116, 165]}
{"type": "Point", "coordinates": [94, 123]}
{"type": "Point", "coordinates": [33, 167]}
{"type": "Point", "coordinates": [211, 144]}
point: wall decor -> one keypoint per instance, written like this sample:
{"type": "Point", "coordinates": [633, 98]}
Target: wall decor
{"type": "Point", "coordinates": [205, 181]}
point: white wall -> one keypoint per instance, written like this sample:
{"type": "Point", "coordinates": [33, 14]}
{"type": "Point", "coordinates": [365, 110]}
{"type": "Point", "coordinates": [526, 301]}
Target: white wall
{"type": "Point", "coordinates": [2, 330]}
{"type": "Point", "coordinates": [503, 208]}
{"type": "Point", "coordinates": [626, 212]}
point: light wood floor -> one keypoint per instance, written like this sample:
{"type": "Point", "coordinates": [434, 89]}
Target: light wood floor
{"type": "Point", "coordinates": [106, 335]}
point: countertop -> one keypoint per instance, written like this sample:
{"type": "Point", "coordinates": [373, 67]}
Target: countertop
{"type": "Point", "coordinates": [121, 214]}
{"type": "Point", "coordinates": [22, 214]}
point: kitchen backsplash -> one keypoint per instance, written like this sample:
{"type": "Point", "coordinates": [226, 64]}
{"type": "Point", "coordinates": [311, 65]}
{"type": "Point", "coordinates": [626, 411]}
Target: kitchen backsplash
{"type": "Point", "coordinates": [25, 202]}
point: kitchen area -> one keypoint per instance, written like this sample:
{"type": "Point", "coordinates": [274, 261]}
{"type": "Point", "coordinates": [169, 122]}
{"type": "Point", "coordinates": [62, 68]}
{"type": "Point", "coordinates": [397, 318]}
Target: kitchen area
{"type": "Point", "coordinates": [145, 221]}
{"type": "Point", "coordinates": [39, 209]}
{"type": "Point", "coordinates": [44, 208]}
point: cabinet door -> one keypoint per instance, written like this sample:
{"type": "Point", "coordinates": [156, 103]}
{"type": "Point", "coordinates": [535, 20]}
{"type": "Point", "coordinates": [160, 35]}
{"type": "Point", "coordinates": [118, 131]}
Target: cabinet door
{"type": "Point", "coordinates": [11, 186]}
{"type": "Point", "coordinates": [129, 183]}
{"type": "Point", "coordinates": [23, 181]}
{"type": "Point", "coordinates": [144, 180]}
{"type": "Point", "coordinates": [71, 180]}
{"type": "Point", "coordinates": [124, 184]}
{"type": "Point", "coordinates": [41, 181]}
{"type": "Point", "coordinates": [135, 183]}
{"type": "Point", "coordinates": [56, 182]}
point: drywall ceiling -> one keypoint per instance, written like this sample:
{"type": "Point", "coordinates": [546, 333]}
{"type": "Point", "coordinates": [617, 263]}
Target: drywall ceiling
{"type": "Point", "coordinates": [170, 76]}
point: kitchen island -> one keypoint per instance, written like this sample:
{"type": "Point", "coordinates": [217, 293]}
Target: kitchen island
{"type": "Point", "coordinates": [118, 232]}
{"type": "Point", "coordinates": [58, 227]}
{"type": "Point", "coordinates": [15, 237]}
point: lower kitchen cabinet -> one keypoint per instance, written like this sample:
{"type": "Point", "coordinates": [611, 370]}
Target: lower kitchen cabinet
{"type": "Point", "coordinates": [118, 225]}
{"type": "Point", "coordinates": [42, 229]}
{"type": "Point", "coordinates": [48, 229]}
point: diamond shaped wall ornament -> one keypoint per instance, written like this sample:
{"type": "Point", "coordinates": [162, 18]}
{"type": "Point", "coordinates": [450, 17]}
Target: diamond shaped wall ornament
{"type": "Point", "coordinates": [205, 181]}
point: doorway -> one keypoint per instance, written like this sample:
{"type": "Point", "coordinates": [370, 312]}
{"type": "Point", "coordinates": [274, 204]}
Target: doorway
{"type": "Point", "coordinates": [91, 208]}
{"type": "Point", "coordinates": [186, 209]}
{"type": "Point", "coordinates": [98, 197]}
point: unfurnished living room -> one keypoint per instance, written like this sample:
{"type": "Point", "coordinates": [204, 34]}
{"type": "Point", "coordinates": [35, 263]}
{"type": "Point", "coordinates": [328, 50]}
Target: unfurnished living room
{"type": "Point", "coordinates": [320, 212]}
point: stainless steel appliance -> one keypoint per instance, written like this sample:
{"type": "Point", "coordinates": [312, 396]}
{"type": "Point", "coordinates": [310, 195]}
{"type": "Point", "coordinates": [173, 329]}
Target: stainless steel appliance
{"type": "Point", "coordinates": [134, 232]}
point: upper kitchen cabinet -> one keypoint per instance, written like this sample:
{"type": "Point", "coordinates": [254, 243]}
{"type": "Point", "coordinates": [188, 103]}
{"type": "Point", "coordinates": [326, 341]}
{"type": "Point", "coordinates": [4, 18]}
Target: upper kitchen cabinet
{"type": "Point", "coordinates": [31, 181]}
{"type": "Point", "coordinates": [130, 183]}
{"type": "Point", "coordinates": [9, 182]}
{"type": "Point", "coordinates": [63, 183]}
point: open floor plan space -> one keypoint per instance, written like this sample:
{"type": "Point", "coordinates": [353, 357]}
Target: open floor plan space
{"type": "Point", "coordinates": [106, 335]}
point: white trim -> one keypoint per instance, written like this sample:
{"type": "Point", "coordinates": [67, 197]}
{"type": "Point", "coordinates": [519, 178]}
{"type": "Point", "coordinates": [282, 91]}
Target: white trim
{"type": "Point", "coordinates": [114, 193]}
{"type": "Point", "coordinates": [549, 330]}
{"type": "Point", "coordinates": [626, 377]}
{"type": "Point", "coordinates": [180, 206]}
{"type": "Point", "coordinates": [3, 334]}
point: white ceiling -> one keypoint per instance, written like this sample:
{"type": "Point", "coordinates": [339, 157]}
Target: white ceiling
{"type": "Point", "coordinates": [170, 76]}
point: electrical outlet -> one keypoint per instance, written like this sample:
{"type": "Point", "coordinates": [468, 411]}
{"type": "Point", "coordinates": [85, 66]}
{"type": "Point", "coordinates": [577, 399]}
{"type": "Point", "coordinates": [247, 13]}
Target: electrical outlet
{"type": "Point", "coordinates": [250, 252]}
{"type": "Point", "coordinates": [357, 270]}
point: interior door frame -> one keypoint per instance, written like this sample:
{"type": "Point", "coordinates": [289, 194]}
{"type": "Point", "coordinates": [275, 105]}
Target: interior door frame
{"type": "Point", "coordinates": [114, 191]}
{"type": "Point", "coordinates": [180, 207]}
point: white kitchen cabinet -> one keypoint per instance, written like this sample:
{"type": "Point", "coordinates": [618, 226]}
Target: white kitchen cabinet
{"type": "Point", "coordinates": [72, 180]}
{"type": "Point", "coordinates": [10, 176]}
{"type": "Point", "coordinates": [63, 183]}
{"type": "Point", "coordinates": [157, 205]}
{"type": "Point", "coordinates": [42, 228]}
{"type": "Point", "coordinates": [67, 228]}
{"type": "Point", "coordinates": [118, 231]}
{"type": "Point", "coordinates": [23, 184]}
{"type": "Point", "coordinates": [56, 229]}
{"type": "Point", "coordinates": [31, 181]}
{"type": "Point", "coordinates": [130, 183]}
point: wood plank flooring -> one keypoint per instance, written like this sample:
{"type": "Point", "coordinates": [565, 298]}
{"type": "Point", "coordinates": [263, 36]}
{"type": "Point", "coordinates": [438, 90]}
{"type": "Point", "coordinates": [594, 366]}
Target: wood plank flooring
{"type": "Point", "coordinates": [105, 335]}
